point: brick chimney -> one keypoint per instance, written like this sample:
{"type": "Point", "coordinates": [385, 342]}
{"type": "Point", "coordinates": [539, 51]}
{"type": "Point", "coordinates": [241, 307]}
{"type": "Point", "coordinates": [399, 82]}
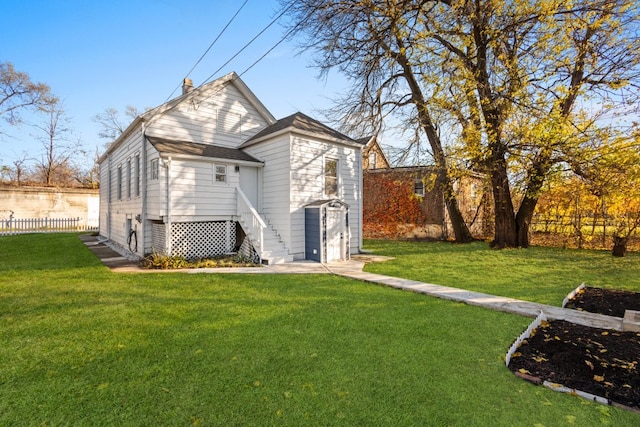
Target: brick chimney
{"type": "Point", "coordinates": [187, 85]}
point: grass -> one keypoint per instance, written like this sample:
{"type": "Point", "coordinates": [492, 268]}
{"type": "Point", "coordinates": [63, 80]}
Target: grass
{"type": "Point", "coordinates": [86, 347]}
{"type": "Point", "coordinates": [539, 274]}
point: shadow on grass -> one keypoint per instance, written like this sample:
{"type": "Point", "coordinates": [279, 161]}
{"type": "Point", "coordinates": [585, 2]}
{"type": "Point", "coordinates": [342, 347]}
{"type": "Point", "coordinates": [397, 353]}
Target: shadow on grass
{"type": "Point", "coordinates": [45, 251]}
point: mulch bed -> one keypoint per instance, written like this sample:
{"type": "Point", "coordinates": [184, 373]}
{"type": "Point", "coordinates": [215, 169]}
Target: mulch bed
{"type": "Point", "coordinates": [611, 302]}
{"type": "Point", "coordinates": [600, 362]}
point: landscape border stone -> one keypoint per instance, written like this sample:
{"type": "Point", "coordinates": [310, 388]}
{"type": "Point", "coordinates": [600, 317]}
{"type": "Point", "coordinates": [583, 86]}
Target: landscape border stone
{"type": "Point", "coordinates": [555, 386]}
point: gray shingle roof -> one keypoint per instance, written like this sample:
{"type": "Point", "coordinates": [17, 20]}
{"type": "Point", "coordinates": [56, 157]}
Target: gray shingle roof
{"type": "Point", "coordinates": [300, 122]}
{"type": "Point", "coordinates": [168, 146]}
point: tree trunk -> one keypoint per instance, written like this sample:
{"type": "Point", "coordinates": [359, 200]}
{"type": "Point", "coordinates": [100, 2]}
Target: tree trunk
{"type": "Point", "coordinates": [506, 234]}
{"type": "Point", "coordinates": [619, 246]}
{"type": "Point", "coordinates": [523, 220]}
{"type": "Point", "coordinates": [460, 229]}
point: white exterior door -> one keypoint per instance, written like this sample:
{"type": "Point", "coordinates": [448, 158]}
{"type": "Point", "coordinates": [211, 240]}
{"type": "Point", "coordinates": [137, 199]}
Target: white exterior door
{"type": "Point", "coordinates": [249, 185]}
{"type": "Point", "coordinates": [335, 234]}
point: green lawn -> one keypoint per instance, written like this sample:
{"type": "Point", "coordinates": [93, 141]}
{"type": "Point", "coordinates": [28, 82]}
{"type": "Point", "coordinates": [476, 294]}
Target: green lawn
{"type": "Point", "coordinates": [539, 274]}
{"type": "Point", "coordinates": [83, 346]}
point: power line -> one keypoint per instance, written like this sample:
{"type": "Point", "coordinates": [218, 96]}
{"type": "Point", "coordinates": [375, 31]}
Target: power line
{"type": "Point", "coordinates": [251, 41]}
{"type": "Point", "coordinates": [210, 46]}
{"type": "Point", "coordinates": [278, 43]}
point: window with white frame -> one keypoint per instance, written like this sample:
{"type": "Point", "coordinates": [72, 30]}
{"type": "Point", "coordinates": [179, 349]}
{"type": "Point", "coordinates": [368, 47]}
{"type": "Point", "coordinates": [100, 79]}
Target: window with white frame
{"type": "Point", "coordinates": [155, 169]}
{"type": "Point", "coordinates": [418, 188]}
{"type": "Point", "coordinates": [119, 182]}
{"type": "Point", "coordinates": [220, 173]}
{"type": "Point", "coordinates": [136, 171]}
{"type": "Point", "coordinates": [129, 179]}
{"type": "Point", "coordinates": [330, 177]}
{"type": "Point", "coordinates": [109, 186]}
{"type": "Point", "coordinates": [372, 160]}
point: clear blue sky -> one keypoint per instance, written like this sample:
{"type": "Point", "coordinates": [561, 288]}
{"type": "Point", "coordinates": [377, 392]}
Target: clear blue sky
{"type": "Point", "coordinates": [100, 54]}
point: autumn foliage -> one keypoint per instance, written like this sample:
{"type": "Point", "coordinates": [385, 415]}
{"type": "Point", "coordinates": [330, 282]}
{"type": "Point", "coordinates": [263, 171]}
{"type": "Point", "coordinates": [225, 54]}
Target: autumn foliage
{"type": "Point", "coordinates": [390, 205]}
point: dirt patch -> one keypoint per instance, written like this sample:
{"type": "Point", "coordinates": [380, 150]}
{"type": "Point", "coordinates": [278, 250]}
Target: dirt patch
{"type": "Point", "coordinates": [611, 302]}
{"type": "Point", "coordinates": [597, 361]}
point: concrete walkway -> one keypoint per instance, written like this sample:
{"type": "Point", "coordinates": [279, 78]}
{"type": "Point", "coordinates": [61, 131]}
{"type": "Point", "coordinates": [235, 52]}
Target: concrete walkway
{"type": "Point", "coordinates": [353, 270]}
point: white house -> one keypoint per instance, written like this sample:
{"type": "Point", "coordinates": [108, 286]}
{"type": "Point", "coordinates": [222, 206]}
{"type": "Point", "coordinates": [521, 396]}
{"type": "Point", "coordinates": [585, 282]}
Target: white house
{"type": "Point", "coordinates": [212, 172]}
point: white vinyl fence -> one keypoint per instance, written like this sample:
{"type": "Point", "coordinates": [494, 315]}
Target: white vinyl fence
{"type": "Point", "coordinates": [46, 225]}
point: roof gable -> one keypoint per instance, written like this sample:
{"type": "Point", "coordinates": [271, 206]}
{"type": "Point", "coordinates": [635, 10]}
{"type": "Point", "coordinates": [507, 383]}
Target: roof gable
{"type": "Point", "coordinates": [202, 92]}
{"type": "Point", "coordinates": [210, 89]}
{"type": "Point", "coordinates": [300, 123]}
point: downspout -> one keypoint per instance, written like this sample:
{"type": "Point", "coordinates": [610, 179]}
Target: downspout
{"type": "Point", "coordinates": [143, 173]}
{"type": "Point", "coordinates": [109, 199]}
{"type": "Point", "coordinates": [167, 222]}
{"type": "Point", "coordinates": [360, 213]}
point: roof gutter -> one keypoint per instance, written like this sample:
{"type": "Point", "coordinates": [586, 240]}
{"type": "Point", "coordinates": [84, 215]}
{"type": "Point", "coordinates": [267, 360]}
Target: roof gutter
{"type": "Point", "coordinates": [210, 159]}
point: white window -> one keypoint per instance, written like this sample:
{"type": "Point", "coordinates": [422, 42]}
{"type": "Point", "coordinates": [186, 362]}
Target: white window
{"type": "Point", "coordinates": [473, 192]}
{"type": "Point", "coordinates": [372, 160]}
{"type": "Point", "coordinates": [330, 177]}
{"type": "Point", "coordinates": [155, 169]}
{"type": "Point", "coordinates": [220, 172]}
{"type": "Point", "coordinates": [110, 186]}
{"type": "Point", "coordinates": [129, 179]}
{"type": "Point", "coordinates": [119, 182]}
{"type": "Point", "coordinates": [418, 188]}
{"type": "Point", "coordinates": [136, 167]}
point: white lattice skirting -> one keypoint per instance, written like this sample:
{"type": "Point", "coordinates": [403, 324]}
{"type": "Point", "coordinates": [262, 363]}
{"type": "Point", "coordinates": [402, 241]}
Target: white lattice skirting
{"type": "Point", "coordinates": [197, 239]}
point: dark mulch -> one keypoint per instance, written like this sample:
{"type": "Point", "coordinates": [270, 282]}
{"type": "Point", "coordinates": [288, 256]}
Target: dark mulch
{"type": "Point", "coordinates": [597, 361]}
{"type": "Point", "coordinates": [611, 302]}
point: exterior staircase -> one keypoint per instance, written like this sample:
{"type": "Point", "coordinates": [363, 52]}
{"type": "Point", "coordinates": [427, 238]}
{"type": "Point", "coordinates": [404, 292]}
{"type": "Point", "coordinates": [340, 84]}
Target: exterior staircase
{"type": "Point", "coordinates": [264, 238]}
{"type": "Point", "coordinates": [275, 251]}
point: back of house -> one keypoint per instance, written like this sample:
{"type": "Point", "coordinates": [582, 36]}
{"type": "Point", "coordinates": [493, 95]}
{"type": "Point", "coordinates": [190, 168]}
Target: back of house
{"type": "Point", "coordinates": [213, 172]}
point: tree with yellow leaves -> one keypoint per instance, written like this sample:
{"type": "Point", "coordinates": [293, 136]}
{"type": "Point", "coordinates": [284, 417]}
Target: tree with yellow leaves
{"type": "Point", "coordinates": [525, 84]}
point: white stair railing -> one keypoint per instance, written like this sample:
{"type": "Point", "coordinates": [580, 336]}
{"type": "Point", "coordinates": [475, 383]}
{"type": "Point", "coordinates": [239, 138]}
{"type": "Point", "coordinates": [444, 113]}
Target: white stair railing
{"type": "Point", "coordinates": [251, 219]}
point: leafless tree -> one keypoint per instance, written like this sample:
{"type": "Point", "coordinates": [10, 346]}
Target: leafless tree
{"type": "Point", "coordinates": [58, 149]}
{"type": "Point", "coordinates": [113, 122]}
{"type": "Point", "coordinates": [373, 44]}
{"type": "Point", "coordinates": [18, 92]}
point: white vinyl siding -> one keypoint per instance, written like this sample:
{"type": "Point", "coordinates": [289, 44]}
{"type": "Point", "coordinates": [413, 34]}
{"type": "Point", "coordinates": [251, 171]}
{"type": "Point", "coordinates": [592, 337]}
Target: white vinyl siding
{"type": "Point", "coordinates": [116, 170]}
{"type": "Point", "coordinates": [307, 184]}
{"type": "Point", "coordinates": [293, 177]}
{"type": "Point", "coordinates": [226, 119]}
{"type": "Point", "coordinates": [196, 196]}
{"type": "Point", "coordinates": [276, 182]}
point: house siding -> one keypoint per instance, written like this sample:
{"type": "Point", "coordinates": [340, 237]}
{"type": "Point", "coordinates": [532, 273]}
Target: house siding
{"type": "Point", "coordinates": [220, 116]}
{"type": "Point", "coordinates": [185, 206]}
{"type": "Point", "coordinates": [195, 196]}
{"type": "Point", "coordinates": [276, 183]}
{"type": "Point", "coordinates": [307, 167]}
{"type": "Point", "coordinates": [114, 218]}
